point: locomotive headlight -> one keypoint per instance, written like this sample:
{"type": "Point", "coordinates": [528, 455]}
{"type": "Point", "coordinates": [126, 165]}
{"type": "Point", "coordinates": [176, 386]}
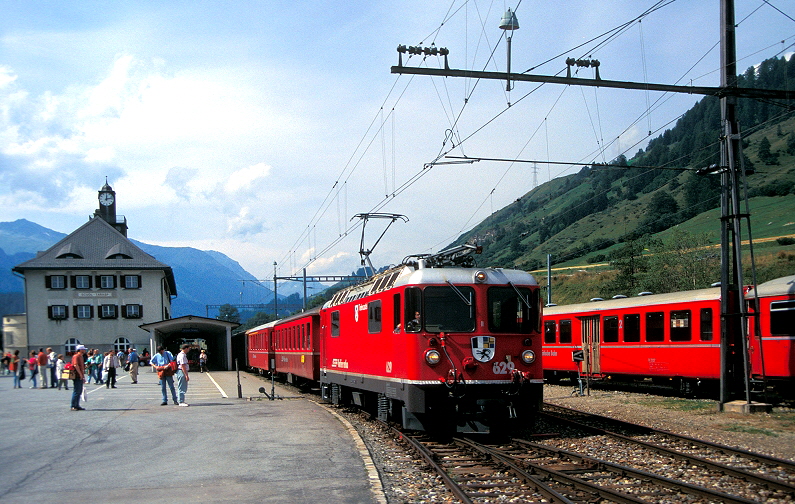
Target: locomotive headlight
{"type": "Point", "coordinates": [480, 276]}
{"type": "Point", "coordinates": [432, 357]}
{"type": "Point", "coordinates": [528, 356]}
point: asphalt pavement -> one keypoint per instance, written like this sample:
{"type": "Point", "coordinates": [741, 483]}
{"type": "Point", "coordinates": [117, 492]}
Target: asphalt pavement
{"type": "Point", "coordinates": [127, 447]}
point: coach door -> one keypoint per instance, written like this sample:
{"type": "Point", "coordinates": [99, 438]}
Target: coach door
{"type": "Point", "coordinates": [590, 345]}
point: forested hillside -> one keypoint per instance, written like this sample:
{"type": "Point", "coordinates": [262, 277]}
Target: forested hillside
{"type": "Point", "coordinates": [597, 213]}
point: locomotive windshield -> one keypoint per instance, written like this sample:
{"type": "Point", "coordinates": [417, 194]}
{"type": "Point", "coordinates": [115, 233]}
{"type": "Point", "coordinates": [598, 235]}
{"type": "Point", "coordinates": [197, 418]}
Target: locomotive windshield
{"type": "Point", "coordinates": [508, 313]}
{"type": "Point", "coordinates": [444, 309]}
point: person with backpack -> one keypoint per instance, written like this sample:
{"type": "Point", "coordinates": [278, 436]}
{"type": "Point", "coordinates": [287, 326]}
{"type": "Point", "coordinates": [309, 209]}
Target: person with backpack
{"type": "Point", "coordinates": [160, 363]}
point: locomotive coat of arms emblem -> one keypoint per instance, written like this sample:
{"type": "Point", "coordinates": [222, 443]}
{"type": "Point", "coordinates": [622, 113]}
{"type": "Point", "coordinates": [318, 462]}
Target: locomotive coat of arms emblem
{"type": "Point", "coordinates": [483, 348]}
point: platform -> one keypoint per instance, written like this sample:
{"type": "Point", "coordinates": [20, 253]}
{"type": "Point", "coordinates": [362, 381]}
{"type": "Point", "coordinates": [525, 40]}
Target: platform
{"type": "Point", "coordinates": [127, 447]}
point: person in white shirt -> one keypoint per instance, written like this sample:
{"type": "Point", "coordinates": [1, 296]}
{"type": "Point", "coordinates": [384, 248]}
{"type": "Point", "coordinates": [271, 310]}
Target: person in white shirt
{"type": "Point", "coordinates": [110, 364]}
{"type": "Point", "coordinates": [182, 374]}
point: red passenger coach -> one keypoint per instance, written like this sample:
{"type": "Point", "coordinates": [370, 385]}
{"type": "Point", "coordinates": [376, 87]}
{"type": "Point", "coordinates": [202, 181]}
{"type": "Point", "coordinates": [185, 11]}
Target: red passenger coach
{"type": "Point", "coordinates": [670, 338]}
{"type": "Point", "coordinates": [776, 360]}
{"type": "Point", "coordinates": [435, 343]}
{"type": "Point", "coordinates": [662, 336]}
{"type": "Point", "coordinates": [288, 347]}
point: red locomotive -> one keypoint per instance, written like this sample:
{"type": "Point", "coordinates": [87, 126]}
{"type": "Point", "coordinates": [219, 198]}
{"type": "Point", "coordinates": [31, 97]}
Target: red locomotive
{"type": "Point", "coordinates": [671, 337]}
{"type": "Point", "coordinates": [434, 343]}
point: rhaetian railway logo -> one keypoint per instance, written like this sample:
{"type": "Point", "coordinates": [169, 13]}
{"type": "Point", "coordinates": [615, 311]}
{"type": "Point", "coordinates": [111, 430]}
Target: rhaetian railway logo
{"type": "Point", "coordinates": [483, 348]}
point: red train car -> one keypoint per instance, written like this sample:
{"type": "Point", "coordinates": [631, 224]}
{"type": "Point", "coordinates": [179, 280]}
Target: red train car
{"type": "Point", "coordinates": [670, 338]}
{"type": "Point", "coordinates": [774, 359]}
{"type": "Point", "coordinates": [436, 343]}
{"type": "Point", "coordinates": [289, 347]}
{"type": "Point", "coordinates": [663, 336]}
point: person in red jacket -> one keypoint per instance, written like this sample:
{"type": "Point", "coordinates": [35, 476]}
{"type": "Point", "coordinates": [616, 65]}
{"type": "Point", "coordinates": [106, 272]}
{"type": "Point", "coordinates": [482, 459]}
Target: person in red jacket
{"type": "Point", "coordinates": [44, 373]}
{"type": "Point", "coordinates": [79, 367]}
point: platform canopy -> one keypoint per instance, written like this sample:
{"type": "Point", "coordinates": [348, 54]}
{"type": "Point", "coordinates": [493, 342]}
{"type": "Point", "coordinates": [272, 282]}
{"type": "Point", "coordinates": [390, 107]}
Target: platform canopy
{"type": "Point", "coordinates": [216, 333]}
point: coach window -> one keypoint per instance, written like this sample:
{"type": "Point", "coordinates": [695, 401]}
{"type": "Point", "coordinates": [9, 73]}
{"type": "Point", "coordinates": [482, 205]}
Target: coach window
{"type": "Point", "coordinates": [706, 324]}
{"type": "Point", "coordinates": [374, 317]}
{"type": "Point", "coordinates": [782, 318]}
{"type": "Point", "coordinates": [335, 323]}
{"type": "Point", "coordinates": [413, 310]}
{"type": "Point", "coordinates": [610, 329]}
{"type": "Point", "coordinates": [632, 328]}
{"type": "Point", "coordinates": [655, 326]}
{"type": "Point", "coordinates": [549, 331]}
{"type": "Point", "coordinates": [680, 325]}
{"type": "Point", "coordinates": [565, 331]}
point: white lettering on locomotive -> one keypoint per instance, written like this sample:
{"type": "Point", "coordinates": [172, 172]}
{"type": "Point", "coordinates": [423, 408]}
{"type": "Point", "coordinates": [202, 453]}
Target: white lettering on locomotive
{"type": "Point", "coordinates": [388, 366]}
{"type": "Point", "coordinates": [339, 363]}
{"type": "Point", "coordinates": [503, 367]}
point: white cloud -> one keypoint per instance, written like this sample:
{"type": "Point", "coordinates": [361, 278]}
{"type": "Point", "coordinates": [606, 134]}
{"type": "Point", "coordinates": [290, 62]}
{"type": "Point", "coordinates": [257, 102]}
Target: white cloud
{"type": "Point", "coordinates": [246, 178]}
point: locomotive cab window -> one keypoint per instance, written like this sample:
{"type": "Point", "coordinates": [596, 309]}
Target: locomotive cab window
{"type": "Point", "coordinates": [680, 325]}
{"type": "Point", "coordinates": [413, 310]}
{"type": "Point", "coordinates": [449, 309]}
{"type": "Point", "coordinates": [655, 326]}
{"type": "Point", "coordinates": [396, 313]}
{"type": "Point", "coordinates": [632, 328]}
{"type": "Point", "coordinates": [508, 312]}
{"type": "Point", "coordinates": [610, 329]}
{"type": "Point", "coordinates": [565, 331]}
{"type": "Point", "coordinates": [549, 331]}
{"type": "Point", "coordinates": [782, 318]}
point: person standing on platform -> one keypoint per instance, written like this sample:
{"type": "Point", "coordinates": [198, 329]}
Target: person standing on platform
{"type": "Point", "coordinates": [111, 363]}
{"type": "Point", "coordinates": [182, 374]}
{"type": "Point", "coordinates": [79, 368]}
{"type": "Point", "coordinates": [159, 361]}
{"type": "Point", "coordinates": [63, 379]}
{"type": "Point", "coordinates": [41, 360]}
{"type": "Point", "coordinates": [203, 362]}
{"type": "Point", "coordinates": [52, 360]}
{"type": "Point", "coordinates": [17, 366]}
{"type": "Point", "coordinates": [33, 367]}
{"type": "Point", "coordinates": [132, 361]}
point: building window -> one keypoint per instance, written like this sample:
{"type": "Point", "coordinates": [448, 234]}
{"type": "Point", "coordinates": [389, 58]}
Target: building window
{"type": "Point", "coordinates": [121, 345]}
{"type": "Point", "coordinates": [108, 311]}
{"type": "Point", "coordinates": [84, 311]}
{"type": "Point", "coordinates": [132, 281]}
{"type": "Point", "coordinates": [81, 282]}
{"type": "Point", "coordinates": [71, 345]}
{"type": "Point", "coordinates": [132, 311]}
{"type": "Point", "coordinates": [107, 282]}
{"type": "Point", "coordinates": [55, 282]}
{"type": "Point", "coordinates": [57, 312]}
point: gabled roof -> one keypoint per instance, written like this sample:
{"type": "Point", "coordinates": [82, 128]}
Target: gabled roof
{"type": "Point", "coordinates": [96, 245]}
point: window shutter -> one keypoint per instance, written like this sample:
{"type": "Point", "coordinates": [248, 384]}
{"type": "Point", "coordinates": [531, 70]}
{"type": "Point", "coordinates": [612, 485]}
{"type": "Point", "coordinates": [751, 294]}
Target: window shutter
{"type": "Point", "coordinates": [140, 311]}
{"type": "Point", "coordinates": [47, 282]}
{"type": "Point", "coordinates": [74, 311]}
{"type": "Point", "coordinates": [91, 311]}
{"type": "Point", "coordinates": [49, 311]}
{"type": "Point", "coordinates": [73, 281]}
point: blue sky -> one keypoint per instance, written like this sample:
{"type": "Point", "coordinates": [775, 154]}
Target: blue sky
{"type": "Point", "coordinates": [259, 128]}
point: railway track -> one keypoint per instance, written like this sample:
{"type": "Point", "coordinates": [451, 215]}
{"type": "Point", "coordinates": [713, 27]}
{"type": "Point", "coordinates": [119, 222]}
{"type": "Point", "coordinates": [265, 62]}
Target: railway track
{"type": "Point", "coordinates": [746, 472]}
{"type": "Point", "coordinates": [522, 471]}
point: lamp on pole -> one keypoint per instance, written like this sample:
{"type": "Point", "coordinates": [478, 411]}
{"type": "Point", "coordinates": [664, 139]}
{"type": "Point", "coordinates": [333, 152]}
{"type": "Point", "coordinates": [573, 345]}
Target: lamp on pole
{"type": "Point", "coordinates": [509, 23]}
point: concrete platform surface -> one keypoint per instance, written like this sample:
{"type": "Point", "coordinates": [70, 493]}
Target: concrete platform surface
{"type": "Point", "coordinates": [127, 447]}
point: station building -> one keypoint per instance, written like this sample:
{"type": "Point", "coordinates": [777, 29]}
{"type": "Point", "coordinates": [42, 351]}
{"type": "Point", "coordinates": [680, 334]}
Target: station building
{"type": "Point", "coordinates": [95, 287]}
